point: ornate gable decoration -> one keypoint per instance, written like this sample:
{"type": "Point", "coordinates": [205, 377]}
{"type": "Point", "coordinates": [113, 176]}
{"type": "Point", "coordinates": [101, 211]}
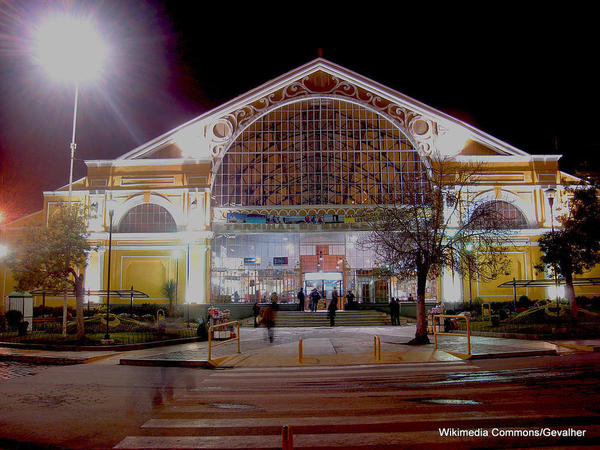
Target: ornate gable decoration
{"type": "Point", "coordinates": [225, 129]}
{"type": "Point", "coordinates": [208, 136]}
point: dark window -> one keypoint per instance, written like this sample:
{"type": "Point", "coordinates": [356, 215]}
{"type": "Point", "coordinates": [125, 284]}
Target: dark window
{"type": "Point", "coordinates": [500, 212]}
{"type": "Point", "coordinates": [147, 218]}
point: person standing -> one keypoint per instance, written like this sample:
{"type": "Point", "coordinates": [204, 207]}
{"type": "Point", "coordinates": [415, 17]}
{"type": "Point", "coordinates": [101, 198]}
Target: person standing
{"type": "Point", "coordinates": [350, 299]}
{"type": "Point", "coordinates": [314, 299]}
{"type": "Point", "coordinates": [301, 298]}
{"type": "Point", "coordinates": [331, 309]}
{"type": "Point", "coordinates": [395, 312]}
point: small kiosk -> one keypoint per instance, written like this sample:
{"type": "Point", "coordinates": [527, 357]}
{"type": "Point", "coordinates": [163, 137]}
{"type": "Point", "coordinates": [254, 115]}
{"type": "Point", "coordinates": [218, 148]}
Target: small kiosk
{"type": "Point", "coordinates": [23, 302]}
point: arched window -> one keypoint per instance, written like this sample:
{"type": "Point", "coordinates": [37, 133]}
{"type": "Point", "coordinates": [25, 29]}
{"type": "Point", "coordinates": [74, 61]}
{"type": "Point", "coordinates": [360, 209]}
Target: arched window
{"type": "Point", "coordinates": [147, 218]}
{"type": "Point", "coordinates": [320, 151]}
{"type": "Point", "coordinates": [506, 214]}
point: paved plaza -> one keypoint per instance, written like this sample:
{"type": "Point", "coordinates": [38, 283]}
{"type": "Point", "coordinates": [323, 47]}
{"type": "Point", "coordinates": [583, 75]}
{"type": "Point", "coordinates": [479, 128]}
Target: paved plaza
{"type": "Point", "coordinates": [319, 346]}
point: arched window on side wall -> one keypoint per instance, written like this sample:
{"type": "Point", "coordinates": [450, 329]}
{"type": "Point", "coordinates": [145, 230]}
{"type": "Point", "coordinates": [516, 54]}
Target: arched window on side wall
{"type": "Point", "coordinates": [147, 218]}
{"type": "Point", "coordinates": [509, 215]}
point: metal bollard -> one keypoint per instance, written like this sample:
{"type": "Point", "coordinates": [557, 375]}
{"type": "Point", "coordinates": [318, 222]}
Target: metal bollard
{"type": "Point", "coordinates": [377, 348]}
{"type": "Point", "coordinates": [287, 438]}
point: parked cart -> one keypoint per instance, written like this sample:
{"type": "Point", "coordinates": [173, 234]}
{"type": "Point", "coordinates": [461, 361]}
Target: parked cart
{"type": "Point", "coordinates": [217, 317]}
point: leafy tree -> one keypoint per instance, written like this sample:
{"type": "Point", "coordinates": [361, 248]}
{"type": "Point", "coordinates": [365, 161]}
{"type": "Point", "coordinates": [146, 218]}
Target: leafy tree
{"type": "Point", "coordinates": [437, 224]}
{"type": "Point", "coordinates": [575, 248]}
{"type": "Point", "coordinates": [49, 257]}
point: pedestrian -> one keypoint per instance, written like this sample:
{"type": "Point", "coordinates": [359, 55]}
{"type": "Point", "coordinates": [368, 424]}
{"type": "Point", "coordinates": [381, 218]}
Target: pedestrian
{"type": "Point", "coordinates": [255, 312]}
{"type": "Point", "coordinates": [314, 299]}
{"type": "Point", "coordinates": [274, 298]}
{"type": "Point", "coordinates": [301, 298]}
{"type": "Point", "coordinates": [395, 311]}
{"type": "Point", "coordinates": [268, 319]}
{"type": "Point", "coordinates": [334, 298]}
{"type": "Point", "coordinates": [350, 299]}
{"type": "Point", "coordinates": [331, 309]}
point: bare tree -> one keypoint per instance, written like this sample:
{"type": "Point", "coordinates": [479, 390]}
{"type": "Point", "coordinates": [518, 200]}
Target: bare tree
{"type": "Point", "coordinates": [437, 222]}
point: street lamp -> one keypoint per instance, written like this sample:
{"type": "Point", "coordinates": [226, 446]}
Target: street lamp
{"type": "Point", "coordinates": [110, 206]}
{"type": "Point", "coordinates": [70, 49]}
{"type": "Point", "coordinates": [3, 253]}
{"type": "Point", "coordinates": [550, 194]}
{"type": "Point", "coordinates": [469, 255]}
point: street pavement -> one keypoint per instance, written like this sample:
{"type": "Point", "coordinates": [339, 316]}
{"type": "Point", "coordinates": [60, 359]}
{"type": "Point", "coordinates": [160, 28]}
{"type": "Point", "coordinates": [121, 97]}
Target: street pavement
{"type": "Point", "coordinates": [338, 396]}
{"type": "Point", "coordinates": [319, 345]}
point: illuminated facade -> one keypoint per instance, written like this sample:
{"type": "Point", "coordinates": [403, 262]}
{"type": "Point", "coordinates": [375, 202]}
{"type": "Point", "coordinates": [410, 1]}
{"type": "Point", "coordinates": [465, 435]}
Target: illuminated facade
{"type": "Point", "coordinates": [262, 194]}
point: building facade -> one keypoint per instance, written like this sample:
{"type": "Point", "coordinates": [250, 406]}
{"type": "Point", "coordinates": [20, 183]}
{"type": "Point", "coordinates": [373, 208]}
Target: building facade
{"type": "Point", "coordinates": [264, 194]}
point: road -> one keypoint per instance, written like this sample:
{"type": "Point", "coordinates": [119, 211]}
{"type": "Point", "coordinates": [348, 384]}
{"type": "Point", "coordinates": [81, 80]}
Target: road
{"type": "Point", "coordinates": [425, 405]}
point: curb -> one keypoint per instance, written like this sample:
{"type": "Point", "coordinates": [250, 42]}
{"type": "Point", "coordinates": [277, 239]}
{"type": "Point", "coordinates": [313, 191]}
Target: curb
{"type": "Point", "coordinates": [91, 348]}
{"type": "Point", "coordinates": [204, 364]}
{"type": "Point", "coordinates": [579, 347]}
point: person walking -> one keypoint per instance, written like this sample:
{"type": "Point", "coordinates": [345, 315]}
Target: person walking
{"type": "Point", "coordinates": [335, 298]}
{"type": "Point", "coordinates": [268, 319]}
{"type": "Point", "coordinates": [331, 309]}
{"type": "Point", "coordinates": [255, 312]}
{"type": "Point", "coordinates": [301, 298]}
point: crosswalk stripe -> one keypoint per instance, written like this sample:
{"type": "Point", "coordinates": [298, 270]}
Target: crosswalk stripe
{"type": "Point", "coordinates": [408, 367]}
{"type": "Point", "coordinates": [446, 417]}
{"type": "Point", "coordinates": [429, 439]}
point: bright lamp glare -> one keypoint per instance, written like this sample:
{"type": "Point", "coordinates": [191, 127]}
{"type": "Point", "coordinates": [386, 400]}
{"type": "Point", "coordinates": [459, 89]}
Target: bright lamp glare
{"type": "Point", "coordinates": [70, 49]}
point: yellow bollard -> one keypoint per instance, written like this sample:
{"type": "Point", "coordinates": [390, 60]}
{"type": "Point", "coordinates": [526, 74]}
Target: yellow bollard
{"type": "Point", "coordinates": [377, 348]}
{"type": "Point", "coordinates": [287, 438]}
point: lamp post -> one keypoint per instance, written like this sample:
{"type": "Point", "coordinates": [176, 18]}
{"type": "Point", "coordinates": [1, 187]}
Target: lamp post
{"type": "Point", "coordinates": [3, 253]}
{"type": "Point", "coordinates": [550, 194]}
{"type": "Point", "coordinates": [111, 211]}
{"type": "Point", "coordinates": [69, 49]}
{"type": "Point", "coordinates": [469, 255]}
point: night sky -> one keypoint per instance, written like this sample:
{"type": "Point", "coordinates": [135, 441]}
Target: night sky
{"type": "Point", "coordinates": [525, 77]}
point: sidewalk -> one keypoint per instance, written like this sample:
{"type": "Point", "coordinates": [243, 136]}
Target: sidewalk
{"type": "Point", "coordinates": [320, 346]}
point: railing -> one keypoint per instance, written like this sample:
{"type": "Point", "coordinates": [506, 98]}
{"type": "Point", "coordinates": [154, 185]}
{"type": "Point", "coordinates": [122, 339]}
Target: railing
{"type": "Point", "coordinates": [436, 325]}
{"type": "Point", "coordinates": [221, 325]}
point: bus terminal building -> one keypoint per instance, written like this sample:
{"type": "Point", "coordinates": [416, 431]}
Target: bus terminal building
{"type": "Point", "coordinates": [264, 194]}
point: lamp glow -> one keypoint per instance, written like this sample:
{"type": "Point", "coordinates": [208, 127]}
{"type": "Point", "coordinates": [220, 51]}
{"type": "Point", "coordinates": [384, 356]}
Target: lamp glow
{"type": "Point", "coordinates": [70, 49]}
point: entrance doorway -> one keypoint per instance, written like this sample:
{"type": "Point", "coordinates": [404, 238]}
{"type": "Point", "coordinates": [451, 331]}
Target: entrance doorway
{"type": "Point", "coordinates": [325, 283]}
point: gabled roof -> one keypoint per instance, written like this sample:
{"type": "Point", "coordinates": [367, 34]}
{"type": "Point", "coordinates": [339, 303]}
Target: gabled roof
{"type": "Point", "coordinates": [346, 77]}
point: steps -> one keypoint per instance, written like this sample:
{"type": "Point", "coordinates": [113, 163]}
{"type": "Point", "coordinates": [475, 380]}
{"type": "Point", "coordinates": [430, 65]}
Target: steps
{"type": "Point", "coordinates": [342, 318]}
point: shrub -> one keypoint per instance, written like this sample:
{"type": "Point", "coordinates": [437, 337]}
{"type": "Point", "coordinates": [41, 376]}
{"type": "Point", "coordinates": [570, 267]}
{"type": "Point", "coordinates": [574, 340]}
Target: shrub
{"type": "Point", "coordinates": [524, 302]}
{"type": "Point", "coordinates": [14, 318]}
